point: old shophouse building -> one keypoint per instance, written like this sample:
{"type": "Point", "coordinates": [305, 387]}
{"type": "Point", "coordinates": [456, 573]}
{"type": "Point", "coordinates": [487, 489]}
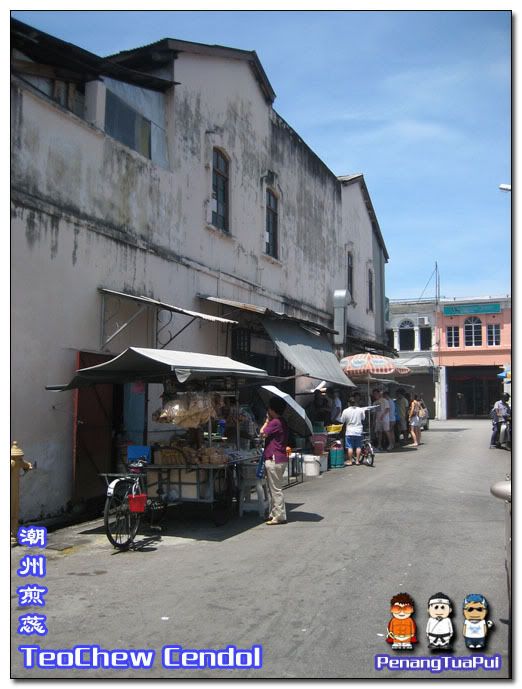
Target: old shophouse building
{"type": "Point", "coordinates": [458, 351]}
{"type": "Point", "coordinates": [159, 200]}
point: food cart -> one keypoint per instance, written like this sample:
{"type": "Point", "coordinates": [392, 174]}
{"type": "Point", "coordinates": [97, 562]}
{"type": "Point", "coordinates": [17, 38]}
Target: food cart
{"type": "Point", "coordinates": [200, 467]}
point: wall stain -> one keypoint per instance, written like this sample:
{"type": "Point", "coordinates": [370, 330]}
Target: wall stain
{"type": "Point", "coordinates": [16, 118]}
{"type": "Point", "coordinates": [55, 230]}
{"type": "Point", "coordinates": [189, 122]}
{"type": "Point", "coordinates": [76, 231]}
{"type": "Point", "coordinates": [31, 233]}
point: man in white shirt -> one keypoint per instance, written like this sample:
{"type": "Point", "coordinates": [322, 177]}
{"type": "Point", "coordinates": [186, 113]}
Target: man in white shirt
{"type": "Point", "coordinates": [353, 417]}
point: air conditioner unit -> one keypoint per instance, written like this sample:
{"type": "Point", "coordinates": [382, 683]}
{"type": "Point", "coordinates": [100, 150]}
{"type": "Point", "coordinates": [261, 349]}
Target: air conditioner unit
{"type": "Point", "coordinates": [423, 320]}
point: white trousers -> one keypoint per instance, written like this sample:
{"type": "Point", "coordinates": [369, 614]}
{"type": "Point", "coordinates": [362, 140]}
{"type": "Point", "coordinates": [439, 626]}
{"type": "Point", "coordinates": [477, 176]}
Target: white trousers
{"type": "Point", "coordinates": [274, 479]}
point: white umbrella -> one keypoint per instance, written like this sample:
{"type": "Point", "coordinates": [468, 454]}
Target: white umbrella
{"type": "Point", "coordinates": [294, 414]}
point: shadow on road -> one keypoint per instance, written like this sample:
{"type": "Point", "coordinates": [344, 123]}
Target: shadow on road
{"type": "Point", "coordinates": [398, 448]}
{"type": "Point", "coordinates": [447, 430]}
{"type": "Point", "coordinates": [194, 522]}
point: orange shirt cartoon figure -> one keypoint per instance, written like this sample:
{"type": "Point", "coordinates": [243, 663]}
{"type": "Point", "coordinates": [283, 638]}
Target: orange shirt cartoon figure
{"type": "Point", "coordinates": [402, 628]}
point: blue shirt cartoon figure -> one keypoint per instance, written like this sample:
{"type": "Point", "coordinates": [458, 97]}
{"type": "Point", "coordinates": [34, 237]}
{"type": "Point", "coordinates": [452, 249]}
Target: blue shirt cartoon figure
{"type": "Point", "coordinates": [439, 629]}
{"type": "Point", "coordinates": [476, 627]}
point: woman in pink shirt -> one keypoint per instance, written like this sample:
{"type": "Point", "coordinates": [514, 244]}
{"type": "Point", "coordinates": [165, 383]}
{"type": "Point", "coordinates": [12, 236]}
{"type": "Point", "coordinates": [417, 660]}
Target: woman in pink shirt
{"type": "Point", "coordinates": [275, 432]}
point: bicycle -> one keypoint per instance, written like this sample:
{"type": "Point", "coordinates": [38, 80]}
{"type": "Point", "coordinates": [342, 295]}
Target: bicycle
{"type": "Point", "coordinates": [129, 498]}
{"type": "Point", "coordinates": [127, 502]}
{"type": "Point", "coordinates": [367, 451]}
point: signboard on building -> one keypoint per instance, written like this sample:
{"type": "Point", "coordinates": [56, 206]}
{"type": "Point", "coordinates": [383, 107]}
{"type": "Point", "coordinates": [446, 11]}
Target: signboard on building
{"type": "Point", "coordinates": [469, 309]}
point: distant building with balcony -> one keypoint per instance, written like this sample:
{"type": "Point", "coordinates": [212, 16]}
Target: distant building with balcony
{"type": "Point", "coordinates": [456, 349]}
{"type": "Point", "coordinates": [412, 327]}
{"type": "Point", "coordinates": [474, 349]}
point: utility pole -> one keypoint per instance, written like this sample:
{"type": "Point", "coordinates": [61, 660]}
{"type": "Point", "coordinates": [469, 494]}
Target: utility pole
{"type": "Point", "coordinates": [440, 385]}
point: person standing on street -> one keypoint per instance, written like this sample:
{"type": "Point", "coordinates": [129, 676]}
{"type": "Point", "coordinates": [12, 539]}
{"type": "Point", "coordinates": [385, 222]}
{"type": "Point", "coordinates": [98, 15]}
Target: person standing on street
{"type": "Point", "coordinates": [337, 408]}
{"type": "Point", "coordinates": [390, 433]}
{"type": "Point", "coordinates": [415, 420]}
{"type": "Point", "coordinates": [381, 420]}
{"type": "Point", "coordinates": [318, 410]}
{"type": "Point", "coordinates": [501, 410]}
{"type": "Point", "coordinates": [382, 424]}
{"type": "Point", "coordinates": [402, 407]}
{"type": "Point", "coordinates": [352, 418]}
{"type": "Point", "coordinates": [275, 432]}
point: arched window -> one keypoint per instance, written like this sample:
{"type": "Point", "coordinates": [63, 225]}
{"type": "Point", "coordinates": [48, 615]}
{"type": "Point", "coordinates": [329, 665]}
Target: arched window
{"type": "Point", "coordinates": [406, 336]}
{"type": "Point", "coordinates": [220, 191]}
{"type": "Point", "coordinates": [473, 332]}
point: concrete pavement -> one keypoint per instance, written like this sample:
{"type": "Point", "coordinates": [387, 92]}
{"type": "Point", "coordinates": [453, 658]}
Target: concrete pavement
{"type": "Point", "coordinates": [314, 593]}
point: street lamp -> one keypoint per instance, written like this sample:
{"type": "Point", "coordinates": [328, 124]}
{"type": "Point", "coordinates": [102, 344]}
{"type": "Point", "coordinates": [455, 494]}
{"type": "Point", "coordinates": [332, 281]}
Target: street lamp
{"type": "Point", "coordinates": [504, 187]}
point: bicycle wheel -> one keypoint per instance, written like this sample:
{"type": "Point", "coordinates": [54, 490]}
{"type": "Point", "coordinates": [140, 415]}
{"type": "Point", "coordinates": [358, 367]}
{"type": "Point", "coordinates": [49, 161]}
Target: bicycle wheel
{"type": "Point", "coordinates": [369, 455]}
{"type": "Point", "coordinates": [121, 525]}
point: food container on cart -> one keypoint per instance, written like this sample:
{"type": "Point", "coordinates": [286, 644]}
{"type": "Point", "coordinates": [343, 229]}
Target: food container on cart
{"type": "Point", "coordinates": [311, 466]}
{"type": "Point", "coordinates": [319, 446]}
{"type": "Point", "coordinates": [319, 441]}
{"type": "Point", "coordinates": [334, 428]}
{"type": "Point", "coordinates": [135, 452]}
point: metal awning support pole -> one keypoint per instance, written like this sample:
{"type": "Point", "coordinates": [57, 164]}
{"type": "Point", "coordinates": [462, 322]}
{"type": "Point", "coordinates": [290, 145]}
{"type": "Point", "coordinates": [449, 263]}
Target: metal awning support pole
{"type": "Point", "coordinates": [237, 416]}
{"type": "Point", "coordinates": [178, 333]}
{"type": "Point", "coordinates": [370, 412]}
{"type": "Point", "coordinates": [105, 342]}
{"type": "Point", "coordinates": [146, 415]}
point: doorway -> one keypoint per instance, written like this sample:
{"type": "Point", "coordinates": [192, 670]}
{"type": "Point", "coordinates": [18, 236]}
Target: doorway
{"type": "Point", "coordinates": [473, 392]}
{"type": "Point", "coordinates": [94, 422]}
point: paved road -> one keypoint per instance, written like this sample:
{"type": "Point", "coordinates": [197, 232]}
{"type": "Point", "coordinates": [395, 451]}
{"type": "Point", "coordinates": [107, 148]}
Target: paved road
{"type": "Point", "coordinates": [314, 593]}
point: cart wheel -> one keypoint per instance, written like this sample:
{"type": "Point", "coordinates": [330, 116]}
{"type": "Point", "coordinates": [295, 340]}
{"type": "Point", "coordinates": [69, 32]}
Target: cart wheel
{"type": "Point", "coordinates": [121, 525]}
{"type": "Point", "coordinates": [156, 512]}
{"type": "Point", "coordinates": [224, 507]}
{"type": "Point", "coordinates": [221, 512]}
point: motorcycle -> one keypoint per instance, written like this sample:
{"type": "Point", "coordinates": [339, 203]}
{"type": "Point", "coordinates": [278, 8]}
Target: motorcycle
{"type": "Point", "coordinates": [504, 436]}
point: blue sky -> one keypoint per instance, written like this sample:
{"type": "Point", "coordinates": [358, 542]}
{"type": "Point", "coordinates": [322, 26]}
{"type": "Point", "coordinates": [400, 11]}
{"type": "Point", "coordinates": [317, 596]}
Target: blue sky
{"type": "Point", "coordinates": [418, 101]}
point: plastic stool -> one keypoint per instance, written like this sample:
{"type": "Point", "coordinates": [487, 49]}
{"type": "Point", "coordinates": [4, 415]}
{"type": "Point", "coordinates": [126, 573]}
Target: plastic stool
{"type": "Point", "coordinates": [259, 503]}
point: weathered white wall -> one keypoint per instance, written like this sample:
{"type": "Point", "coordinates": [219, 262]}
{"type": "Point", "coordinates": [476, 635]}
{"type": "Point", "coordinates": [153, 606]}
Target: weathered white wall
{"type": "Point", "coordinates": [378, 289]}
{"type": "Point", "coordinates": [89, 212]}
{"type": "Point", "coordinates": [359, 240]}
{"type": "Point", "coordinates": [219, 104]}
{"type": "Point", "coordinates": [76, 225]}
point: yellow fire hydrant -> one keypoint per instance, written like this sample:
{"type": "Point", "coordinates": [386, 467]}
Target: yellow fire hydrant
{"type": "Point", "coordinates": [17, 462]}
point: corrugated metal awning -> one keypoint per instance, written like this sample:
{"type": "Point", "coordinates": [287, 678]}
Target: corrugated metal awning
{"type": "Point", "coordinates": [309, 353]}
{"type": "Point", "coordinates": [417, 364]}
{"type": "Point", "coordinates": [265, 311]}
{"type": "Point", "coordinates": [370, 345]}
{"type": "Point", "coordinates": [167, 307]}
